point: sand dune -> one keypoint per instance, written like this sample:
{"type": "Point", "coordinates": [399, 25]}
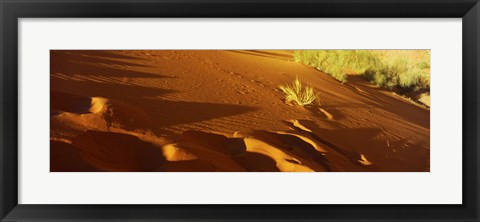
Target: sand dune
{"type": "Point", "coordinates": [189, 111]}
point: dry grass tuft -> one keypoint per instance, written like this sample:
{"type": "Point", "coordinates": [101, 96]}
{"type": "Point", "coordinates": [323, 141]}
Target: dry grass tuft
{"type": "Point", "coordinates": [296, 94]}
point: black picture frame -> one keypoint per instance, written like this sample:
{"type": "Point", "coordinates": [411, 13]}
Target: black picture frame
{"type": "Point", "coordinates": [11, 11]}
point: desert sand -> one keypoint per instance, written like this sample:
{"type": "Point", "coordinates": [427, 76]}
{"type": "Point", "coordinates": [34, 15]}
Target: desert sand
{"type": "Point", "coordinates": [188, 111]}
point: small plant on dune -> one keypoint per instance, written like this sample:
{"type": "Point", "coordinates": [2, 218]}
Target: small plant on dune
{"type": "Point", "coordinates": [296, 94]}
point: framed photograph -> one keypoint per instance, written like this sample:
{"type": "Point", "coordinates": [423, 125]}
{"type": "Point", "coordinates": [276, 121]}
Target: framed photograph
{"type": "Point", "coordinates": [239, 110]}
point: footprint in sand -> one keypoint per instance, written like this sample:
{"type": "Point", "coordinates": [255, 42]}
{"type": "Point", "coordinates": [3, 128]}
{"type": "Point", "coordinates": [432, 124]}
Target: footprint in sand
{"type": "Point", "coordinates": [363, 160]}
{"type": "Point", "coordinates": [241, 92]}
{"type": "Point", "coordinates": [361, 91]}
{"type": "Point", "coordinates": [297, 124]}
{"type": "Point", "coordinates": [326, 113]}
{"type": "Point", "coordinates": [293, 161]}
{"type": "Point", "coordinates": [98, 104]}
{"type": "Point", "coordinates": [358, 89]}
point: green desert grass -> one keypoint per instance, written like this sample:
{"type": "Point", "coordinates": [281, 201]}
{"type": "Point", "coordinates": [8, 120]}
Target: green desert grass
{"type": "Point", "coordinates": [295, 93]}
{"type": "Point", "coordinates": [405, 69]}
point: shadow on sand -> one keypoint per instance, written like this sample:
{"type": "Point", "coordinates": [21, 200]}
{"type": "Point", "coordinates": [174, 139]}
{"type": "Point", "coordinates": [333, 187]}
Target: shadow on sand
{"type": "Point", "coordinates": [234, 148]}
{"type": "Point", "coordinates": [91, 63]}
{"type": "Point", "coordinates": [354, 142]}
{"type": "Point", "coordinates": [264, 54]}
{"type": "Point", "coordinates": [94, 63]}
{"type": "Point", "coordinates": [375, 98]}
{"type": "Point", "coordinates": [294, 146]}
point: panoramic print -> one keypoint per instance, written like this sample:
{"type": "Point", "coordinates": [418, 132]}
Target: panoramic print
{"type": "Point", "coordinates": [240, 110]}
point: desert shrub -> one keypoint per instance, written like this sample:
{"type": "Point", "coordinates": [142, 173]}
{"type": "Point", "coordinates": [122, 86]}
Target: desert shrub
{"type": "Point", "coordinates": [317, 60]}
{"type": "Point", "coordinates": [423, 65]}
{"type": "Point", "coordinates": [338, 62]}
{"type": "Point", "coordinates": [384, 69]}
{"type": "Point", "coordinates": [295, 93]}
{"type": "Point", "coordinates": [398, 74]}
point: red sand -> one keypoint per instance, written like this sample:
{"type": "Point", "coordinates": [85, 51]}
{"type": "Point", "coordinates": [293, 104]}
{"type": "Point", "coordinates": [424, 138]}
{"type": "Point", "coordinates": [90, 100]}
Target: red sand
{"type": "Point", "coordinates": [223, 111]}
